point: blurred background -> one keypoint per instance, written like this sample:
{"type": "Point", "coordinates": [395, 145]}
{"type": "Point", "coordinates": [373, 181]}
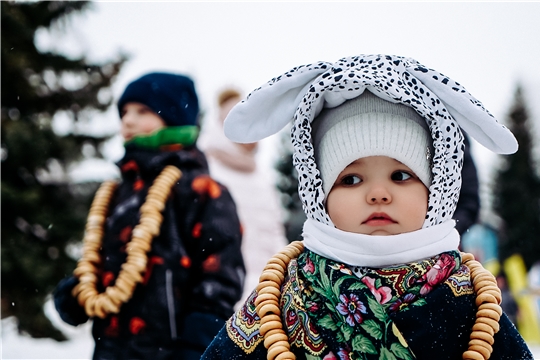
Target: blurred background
{"type": "Point", "coordinates": [64, 64]}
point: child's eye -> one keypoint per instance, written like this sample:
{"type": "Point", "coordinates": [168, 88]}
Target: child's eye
{"type": "Point", "coordinates": [401, 175]}
{"type": "Point", "coordinates": [350, 180]}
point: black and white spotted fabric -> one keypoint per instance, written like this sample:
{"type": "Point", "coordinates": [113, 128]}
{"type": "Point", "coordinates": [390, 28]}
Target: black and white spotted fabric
{"type": "Point", "coordinates": [301, 93]}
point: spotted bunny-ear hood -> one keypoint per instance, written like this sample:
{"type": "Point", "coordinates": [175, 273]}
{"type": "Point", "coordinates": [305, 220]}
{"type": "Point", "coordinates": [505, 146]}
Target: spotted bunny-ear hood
{"type": "Point", "coordinates": [301, 93]}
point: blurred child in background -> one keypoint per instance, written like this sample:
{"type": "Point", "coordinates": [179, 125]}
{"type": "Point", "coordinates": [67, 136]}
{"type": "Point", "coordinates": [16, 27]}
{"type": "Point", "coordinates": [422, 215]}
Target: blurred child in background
{"type": "Point", "coordinates": [161, 268]}
{"type": "Point", "coordinates": [252, 187]}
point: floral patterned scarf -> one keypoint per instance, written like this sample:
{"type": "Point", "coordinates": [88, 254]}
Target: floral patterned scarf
{"type": "Point", "coordinates": [352, 306]}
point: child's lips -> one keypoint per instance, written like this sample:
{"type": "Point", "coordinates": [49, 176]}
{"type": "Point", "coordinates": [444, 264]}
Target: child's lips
{"type": "Point", "coordinates": [379, 219]}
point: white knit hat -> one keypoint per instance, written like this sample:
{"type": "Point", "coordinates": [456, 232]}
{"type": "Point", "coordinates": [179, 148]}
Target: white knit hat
{"type": "Point", "coordinates": [370, 126]}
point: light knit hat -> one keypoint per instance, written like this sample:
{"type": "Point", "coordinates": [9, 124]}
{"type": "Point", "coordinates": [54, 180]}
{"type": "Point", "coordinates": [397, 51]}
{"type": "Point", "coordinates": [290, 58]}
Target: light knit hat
{"type": "Point", "coordinates": [370, 126]}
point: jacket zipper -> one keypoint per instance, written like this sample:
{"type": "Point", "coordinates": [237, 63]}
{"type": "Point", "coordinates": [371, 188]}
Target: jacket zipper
{"type": "Point", "coordinates": [170, 302]}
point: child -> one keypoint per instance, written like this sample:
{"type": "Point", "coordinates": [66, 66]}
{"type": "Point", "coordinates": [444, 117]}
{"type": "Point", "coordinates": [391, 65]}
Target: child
{"type": "Point", "coordinates": [253, 191]}
{"type": "Point", "coordinates": [162, 267]}
{"type": "Point", "coordinates": [378, 275]}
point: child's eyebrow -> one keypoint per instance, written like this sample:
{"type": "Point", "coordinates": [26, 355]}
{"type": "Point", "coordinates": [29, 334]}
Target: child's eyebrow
{"type": "Point", "coordinates": [356, 162]}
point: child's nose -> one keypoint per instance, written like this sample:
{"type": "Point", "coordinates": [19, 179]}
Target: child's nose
{"type": "Point", "coordinates": [378, 194]}
{"type": "Point", "coordinates": [127, 119]}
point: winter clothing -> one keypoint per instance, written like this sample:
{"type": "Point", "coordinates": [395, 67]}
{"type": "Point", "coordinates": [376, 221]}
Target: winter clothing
{"type": "Point", "coordinates": [175, 135]}
{"type": "Point", "coordinates": [351, 295]}
{"type": "Point", "coordinates": [370, 126]}
{"type": "Point", "coordinates": [379, 250]}
{"type": "Point", "coordinates": [195, 269]}
{"type": "Point", "coordinates": [255, 195]}
{"type": "Point", "coordinates": [333, 311]}
{"type": "Point", "coordinates": [171, 96]}
{"type": "Point", "coordinates": [468, 206]}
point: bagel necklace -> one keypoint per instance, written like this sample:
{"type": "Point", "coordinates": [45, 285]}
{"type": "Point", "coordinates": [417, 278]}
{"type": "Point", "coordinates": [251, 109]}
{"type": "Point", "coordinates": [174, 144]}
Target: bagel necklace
{"type": "Point", "coordinates": [86, 292]}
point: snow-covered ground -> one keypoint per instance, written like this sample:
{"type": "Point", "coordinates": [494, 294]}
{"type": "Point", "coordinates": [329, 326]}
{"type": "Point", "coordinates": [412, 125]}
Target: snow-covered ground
{"type": "Point", "coordinates": [16, 346]}
{"type": "Point", "coordinates": [22, 346]}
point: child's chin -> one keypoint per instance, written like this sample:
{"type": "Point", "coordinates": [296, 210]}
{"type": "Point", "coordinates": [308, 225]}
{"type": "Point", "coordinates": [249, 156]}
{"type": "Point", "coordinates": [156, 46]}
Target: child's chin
{"type": "Point", "coordinates": [374, 232]}
{"type": "Point", "coordinates": [381, 232]}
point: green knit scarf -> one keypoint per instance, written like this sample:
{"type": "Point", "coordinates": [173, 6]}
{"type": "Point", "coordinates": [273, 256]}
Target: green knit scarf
{"type": "Point", "coordinates": [173, 135]}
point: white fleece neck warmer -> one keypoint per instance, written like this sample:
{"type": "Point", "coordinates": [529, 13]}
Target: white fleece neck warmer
{"type": "Point", "coordinates": [301, 93]}
{"type": "Point", "coordinates": [379, 251]}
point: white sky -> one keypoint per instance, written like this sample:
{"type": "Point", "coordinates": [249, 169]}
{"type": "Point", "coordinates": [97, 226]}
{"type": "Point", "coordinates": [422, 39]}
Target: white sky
{"type": "Point", "coordinates": [486, 46]}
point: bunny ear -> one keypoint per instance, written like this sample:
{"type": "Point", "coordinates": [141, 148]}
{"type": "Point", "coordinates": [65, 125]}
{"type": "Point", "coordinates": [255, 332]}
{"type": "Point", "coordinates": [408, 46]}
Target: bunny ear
{"type": "Point", "coordinates": [272, 106]}
{"type": "Point", "coordinates": [469, 112]}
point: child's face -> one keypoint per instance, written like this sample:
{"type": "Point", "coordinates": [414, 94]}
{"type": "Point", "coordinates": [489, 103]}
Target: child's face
{"type": "Point", "coordinates": [139, 119]}
{"type": "Point", "coordinates": [377, 195]}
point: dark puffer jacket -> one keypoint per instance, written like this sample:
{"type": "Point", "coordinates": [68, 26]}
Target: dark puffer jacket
{"type": "Point", "coordinates": [468, 206]}
{"type": "Point", "coordinates": [195, 268]}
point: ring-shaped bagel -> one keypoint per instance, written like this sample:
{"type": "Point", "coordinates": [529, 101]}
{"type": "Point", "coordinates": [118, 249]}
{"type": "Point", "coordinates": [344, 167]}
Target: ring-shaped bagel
{"type": "Point", "coordinates": [472, 355]}
{"type": "Point", "coordinates": [488, 313]}
{"type": "Point", "coordinates": [98, 307]}
{"type": "Point", "coordinates": [109, 306]}
{"type": "Point", "coordinates": [271, 275]}
{"type": "Point", "coordinates": [283, 343]}
{"type": "Point", "coordinates": [491, 306]}
{"type": "Point", "coordinates": [483, 327]}
{"type": "Point", "coordinates": [270, 317]}
{"type": "Point", "coordinates": [258, 308]}
{"type": "Point", "coordinates": [483, 277]}
{"type": "Point", "coordinates": [268, 283]}
{"type": "Point", "coordinates": [274, 331]}
{"type": "Point", "coordinates": [482, 336]}
{"type": "Point", "coordinates": [483, 283]}
{"type": "Point", "coordinates": [274, 338]}
{"type": "Point", "coordinates": [275, 266]}
{"type": "Point", "coordinates": [272, 324]}
{"type": "Point", "coordinates": [482, 350]}
{"type": "Point", "coordinates": [485, 298]}
{"type": "Point", "coordinates": [494, 324]}
{"type": "Point", "coordinates": [291, 253]}
{"type": "Point", "coordinates": [278, 262]}
{"type": "Point", "coordinates": [270, 290]}
{"type": "Point", "coordinates": [269, 308]}
{"type": "Point", "coordinates": [275, 351]}
{"type": "Point", "coordinates": [286, 259]}
{"type": "Point", "coordinates": [286, 355]}
{"type": "Point", "coordinates": [263, 297]}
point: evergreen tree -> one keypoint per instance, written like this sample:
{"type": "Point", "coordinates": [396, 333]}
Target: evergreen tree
{"type": "Point", "coordinates": [42, 212]}
{"type": "Point", "coordinates": [517, 191]}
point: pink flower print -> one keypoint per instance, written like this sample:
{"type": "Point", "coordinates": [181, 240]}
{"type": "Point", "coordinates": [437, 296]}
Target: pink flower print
{"type": "Point", "coordinates": [309, 267]}
{"type": "Point", "coordinates": [330, 356]}
{"type": "Point", "coordinates": [382, 294]}
{"type": "Point", "coordinates": [312, 306]}
{"type": "Point", "coordinates": [438, 273]}
{"type": "Point", "coordinates": [351, 307]}
{"type": "Point", "coordinates": [341, 268]}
